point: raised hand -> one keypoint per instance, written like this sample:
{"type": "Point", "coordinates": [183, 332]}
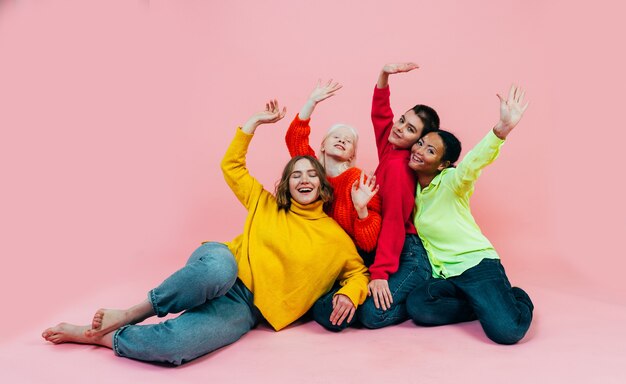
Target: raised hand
{"type": "Point", "coordinates": [511, 111]}
{"type": "Point", "coordinates": [324, 91]}
{"type": "Point", "coordinates": [271, 114]}
{"type": "Point", "coordinates": [342, 309]}
{"type": "Point", "coordinates": [321, 92]}
{"type": "Point", "coordinates": [391, 68]}
{"type": "Point", "coordinates": [399, 67]}
{"type": "Point", "coordinates": [362, 192]}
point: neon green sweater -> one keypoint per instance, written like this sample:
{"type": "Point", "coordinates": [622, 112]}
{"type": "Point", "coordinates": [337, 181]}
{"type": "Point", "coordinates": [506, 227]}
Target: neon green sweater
{"type": "Point", "coordinates": [288, 259]}
{"type": "Point", "coordinates": [445, 224]}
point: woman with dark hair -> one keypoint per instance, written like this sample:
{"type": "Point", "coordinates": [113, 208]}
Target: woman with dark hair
{"type": "Point", "coordinates": [468, 281]}
{"type": "Point", "coordinates": [290, 254]}
{"type": "Point", "coordinates": [400, 262]}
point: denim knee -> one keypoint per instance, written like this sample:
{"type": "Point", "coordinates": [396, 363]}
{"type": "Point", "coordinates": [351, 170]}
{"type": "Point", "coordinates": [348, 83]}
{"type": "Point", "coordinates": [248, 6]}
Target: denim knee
{"type": "Point", "coordinates": [218, 261]}
{"type": "Point", "coordinates": [416, 309]}
{"type": "Point", "coordinates": [374, 318]}
{"type": "Point", "coordinates": [506, 333]}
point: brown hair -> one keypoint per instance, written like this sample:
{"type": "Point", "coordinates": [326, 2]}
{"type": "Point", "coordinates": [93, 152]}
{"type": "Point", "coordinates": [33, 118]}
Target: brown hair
{"type": "Point", "coordinates": [283, 196]}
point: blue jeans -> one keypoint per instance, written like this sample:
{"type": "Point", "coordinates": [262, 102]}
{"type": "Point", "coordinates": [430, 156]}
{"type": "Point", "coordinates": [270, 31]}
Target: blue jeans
{"type": "Point", "coordinates": [482, 292]}
{"type": "Point", "coordinates": [413, 270]}
{"type": "Point", "coordinates": [218, 309]}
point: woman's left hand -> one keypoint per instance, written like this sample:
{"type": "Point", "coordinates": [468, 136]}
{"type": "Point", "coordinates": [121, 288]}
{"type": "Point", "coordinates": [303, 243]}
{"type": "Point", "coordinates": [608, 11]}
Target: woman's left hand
{"type": "Point", "coordinates": [511, 111]}
{"type": "Point", "coordinates": [342, 308]}
{"type": "Point", "coordinates": [362, 193]}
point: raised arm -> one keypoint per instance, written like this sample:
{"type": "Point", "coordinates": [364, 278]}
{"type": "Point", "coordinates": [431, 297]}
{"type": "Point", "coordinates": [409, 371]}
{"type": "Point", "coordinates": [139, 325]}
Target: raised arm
{"type": "Point", "coordinates": [511, 112]}
{"type": "Point", "coordinates": [486, 151]}
{"type": "Point", "coordinates": [382, 116]}
{"type": "Point", "coordinates": [297, 137]}
{"type": "Point", "coordinates": [234, 162]}
{"type": "Point", "coordinates": [271, 114]}
{"type": "Point", "coordinates": [389, 69]}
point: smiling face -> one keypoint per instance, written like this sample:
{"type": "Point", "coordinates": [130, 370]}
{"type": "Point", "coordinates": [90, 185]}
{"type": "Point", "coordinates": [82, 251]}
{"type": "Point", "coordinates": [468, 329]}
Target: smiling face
{"type": "Point", "coordinates": [340, 143]}
{"type": "Point", "coordinates": [304, 182]}
{"type": "Point", "coordinates": [427, 154]}
{"type": "Point", "coordinates": [406, 130]}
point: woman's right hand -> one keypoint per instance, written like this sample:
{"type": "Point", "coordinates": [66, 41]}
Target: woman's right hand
{"type": "Point", "coordinates": [320, 92]}
{"type": "Point", "coordinates": [271, 114]}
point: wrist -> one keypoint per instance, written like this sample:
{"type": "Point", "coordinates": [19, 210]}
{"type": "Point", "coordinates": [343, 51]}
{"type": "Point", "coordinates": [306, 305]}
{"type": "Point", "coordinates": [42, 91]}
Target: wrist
{"type": "Point", "coordinates": [501, 130]}
{"type": "Point", "coordinates": [362, 212]}
{"type": "Point", "coordinates": [250, 126]}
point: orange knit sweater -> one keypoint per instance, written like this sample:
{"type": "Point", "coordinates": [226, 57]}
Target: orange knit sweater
{"type": "Point", "coordinates": [364, 232]}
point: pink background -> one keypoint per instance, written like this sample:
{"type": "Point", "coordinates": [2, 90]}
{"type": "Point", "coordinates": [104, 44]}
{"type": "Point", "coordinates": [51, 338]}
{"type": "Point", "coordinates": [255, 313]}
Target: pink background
{"type": "Point", "coordinates": [115, 115]}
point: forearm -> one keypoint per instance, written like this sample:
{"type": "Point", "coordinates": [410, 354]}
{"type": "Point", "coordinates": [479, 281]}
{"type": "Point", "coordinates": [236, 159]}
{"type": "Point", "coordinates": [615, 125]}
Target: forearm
{"type": "Point", "coordinates": [307, 109]}
{"type": "Point", "coordinates": [383, 80]}
{"type": "Point", "coordinates": [354, 282]}
{"type": "Point", "coordinates": [250, 126]}
{"type": "Point", "coordinates": [234, 167]}
{"type": "Point", "coordinates": [366, 231]}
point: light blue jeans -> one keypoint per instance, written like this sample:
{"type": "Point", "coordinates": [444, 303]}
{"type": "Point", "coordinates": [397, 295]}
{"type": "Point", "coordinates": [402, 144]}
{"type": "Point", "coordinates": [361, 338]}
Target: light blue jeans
{"type": "Point", "coordinates": [218, 309]}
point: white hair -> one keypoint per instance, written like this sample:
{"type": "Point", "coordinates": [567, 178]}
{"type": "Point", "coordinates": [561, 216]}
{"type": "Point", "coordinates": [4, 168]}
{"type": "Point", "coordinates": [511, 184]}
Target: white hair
{"type": "Point", "coordinates": [330, 131]}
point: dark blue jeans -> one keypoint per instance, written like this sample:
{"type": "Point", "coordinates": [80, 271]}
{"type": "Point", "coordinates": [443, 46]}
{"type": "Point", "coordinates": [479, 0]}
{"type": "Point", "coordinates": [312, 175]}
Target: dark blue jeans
{"type": "Point", "coordinates": [482, 292]}
{"type": "Point", "coordinates": [413, 270]}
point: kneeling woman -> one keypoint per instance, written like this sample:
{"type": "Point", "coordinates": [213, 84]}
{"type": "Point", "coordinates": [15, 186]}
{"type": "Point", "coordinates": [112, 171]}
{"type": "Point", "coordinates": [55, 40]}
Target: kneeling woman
{"type": "Point", "coordinates": [469, 281]}
{"type": "Point", "coordinates": [290, 254]}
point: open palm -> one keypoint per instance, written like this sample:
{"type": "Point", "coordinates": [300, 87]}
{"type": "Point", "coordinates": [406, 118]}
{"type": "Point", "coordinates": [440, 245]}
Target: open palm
{"type": "Point", "coordinates": [512, 109]}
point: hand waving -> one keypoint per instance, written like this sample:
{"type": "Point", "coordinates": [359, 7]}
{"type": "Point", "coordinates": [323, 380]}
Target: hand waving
{"type": "Point", "coordinates": [511, 111]}
{"type": "Point", "coordinates": [362, 192]}
{"type": "Point", "coordinates": [399, 67]}
{"type": "Point", "coordinates": [324, 91]}
{"type": "Point", "coordinates": [271, 114]}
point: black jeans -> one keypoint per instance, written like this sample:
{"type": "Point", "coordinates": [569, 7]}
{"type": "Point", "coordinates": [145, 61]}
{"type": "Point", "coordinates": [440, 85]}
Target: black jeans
{"type": "Point", "coordinates": [413, 270]}
{"type": "Point", "coordinates": [482, 292]}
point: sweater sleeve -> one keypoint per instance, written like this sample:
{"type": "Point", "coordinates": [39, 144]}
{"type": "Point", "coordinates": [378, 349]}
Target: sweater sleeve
{"type": "Point", "coordinates": [469, 169]}
{"type": "Point", "coordinates": [297, 138]}
{"type": "Point", "coordinates": [354, 279]}
{"type": "Point", "coordinates": [234, 168]}
{"type": "Point", "coordinates": [382, 118]}
{"type": "Point", "coordinates": [366, 231]}
{"type": "Point", "coordinates": [398, 204]}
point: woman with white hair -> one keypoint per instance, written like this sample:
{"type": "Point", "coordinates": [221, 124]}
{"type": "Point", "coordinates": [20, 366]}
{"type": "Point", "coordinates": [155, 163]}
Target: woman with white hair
{"type": "Point", "coordinates": [356, 205]}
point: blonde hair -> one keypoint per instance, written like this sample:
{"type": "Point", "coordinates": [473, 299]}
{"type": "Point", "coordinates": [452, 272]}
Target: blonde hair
{"type": "Point", "coordinates": [330, 131]}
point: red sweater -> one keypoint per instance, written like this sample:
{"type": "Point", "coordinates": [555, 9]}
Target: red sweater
{"type": "Point", "coordinates": [364, 232]}
{"type": "Point", "coordinates": [397, 190]}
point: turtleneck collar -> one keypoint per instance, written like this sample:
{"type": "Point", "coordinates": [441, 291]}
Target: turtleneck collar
{"type": "Point", "coordinates": [311, 211]}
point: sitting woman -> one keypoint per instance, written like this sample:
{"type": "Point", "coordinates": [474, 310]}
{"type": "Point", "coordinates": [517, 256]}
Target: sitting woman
{"type": "Point", "coordinates": [356, 206]}
{"type": "Point", "coordinates": [227, 289]}
{"type": "Point", "coordinates": [468, 281]}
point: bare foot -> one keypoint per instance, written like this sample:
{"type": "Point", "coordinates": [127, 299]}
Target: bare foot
{"type": "Point", "coordinates": [68, 333]}
{"type": "Point", "coordinates": [107, 320]}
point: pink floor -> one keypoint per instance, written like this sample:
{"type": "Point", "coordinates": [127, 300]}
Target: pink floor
{"type": "Point", "coordinates": [572, 339]}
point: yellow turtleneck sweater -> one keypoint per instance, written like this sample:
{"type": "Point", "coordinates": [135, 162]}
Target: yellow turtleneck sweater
{"type": "Point", "coordinates": [288, 259]}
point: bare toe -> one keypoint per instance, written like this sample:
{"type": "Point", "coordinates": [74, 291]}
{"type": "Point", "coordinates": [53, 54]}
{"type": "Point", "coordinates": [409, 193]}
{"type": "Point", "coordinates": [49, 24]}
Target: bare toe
{"type": "Point", "coordinates": [105, 321]}
{"type": "Point", "coordinates": [66, 333]}
{"type": "Point", "coordinates": [96, 323]}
